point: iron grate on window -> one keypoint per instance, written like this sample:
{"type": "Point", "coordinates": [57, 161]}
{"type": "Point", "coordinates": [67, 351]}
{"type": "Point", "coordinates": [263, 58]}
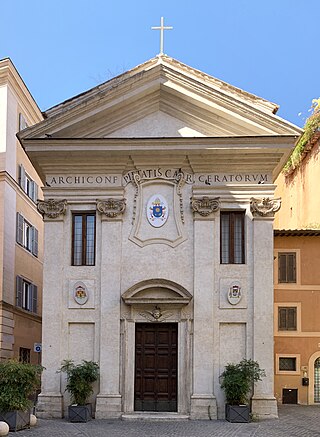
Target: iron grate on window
{"type": "Point", "coordinates": [24, 355]}
{"type": "Point", "coordinates": [288, 363]}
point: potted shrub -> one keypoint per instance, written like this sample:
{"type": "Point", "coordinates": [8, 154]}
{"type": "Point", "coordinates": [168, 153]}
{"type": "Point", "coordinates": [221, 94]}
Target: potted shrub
{"type": "Point", "coordinates": [80, 378]}
{"type": "Point", "coordinates": [18, 381]}
{"type": "Point", "coordinates": [237, 383]}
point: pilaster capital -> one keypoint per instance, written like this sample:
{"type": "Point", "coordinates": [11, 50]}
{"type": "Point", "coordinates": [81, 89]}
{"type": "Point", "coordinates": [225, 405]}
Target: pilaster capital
{"type": "Point", "coordinates": [205, 205]}
{"type": "Point", "coordinates": [111, 208]}
{"type": "Point", "coordinates": [264, 207]}
{"type": "Point", "coordinates": [52, 208]}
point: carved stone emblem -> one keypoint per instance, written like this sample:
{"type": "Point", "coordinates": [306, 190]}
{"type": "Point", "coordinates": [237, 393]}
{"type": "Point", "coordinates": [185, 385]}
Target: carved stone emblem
{"type": "Point", "coordinates": [156, 315]}
{"type": "Point", "coordinates": [80, 293]}
{"type": "Point", "coordinates": [52, 208]}
{"type": "Point", "coordinates": [234, 294]}
{"type": "Point", "coordinates": [111, 208]}
{"type": "Point", "coordinates": [265, 207]}
{"type": "Point", "coordinates": [205, 205]}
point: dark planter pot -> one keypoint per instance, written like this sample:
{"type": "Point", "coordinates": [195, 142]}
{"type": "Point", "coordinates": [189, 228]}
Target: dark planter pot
{"type": "Point", "coordinates": [237, 413]}
{"type": "Point", "coordinates": [80, 413]}
{"type": "Point", "coordinates": [16, 419]}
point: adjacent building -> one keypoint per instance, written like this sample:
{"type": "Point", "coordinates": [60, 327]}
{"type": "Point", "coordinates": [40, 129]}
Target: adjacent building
{"type": "Point", "coordinates": [297, 280]}
{"type": "Point", "coordinates": [158, 209]}
{"type": "Point", "coordinates": [21, 225]}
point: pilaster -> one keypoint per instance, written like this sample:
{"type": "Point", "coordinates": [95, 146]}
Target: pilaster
{"type": "Point", "coordinates": [50, 401]}
{"type": "Point", "coordinates": [109, 402]}
{"type": "Point", "coordinates": [203, 401]}
{"type": "Point", "coordinates": [264, 404]}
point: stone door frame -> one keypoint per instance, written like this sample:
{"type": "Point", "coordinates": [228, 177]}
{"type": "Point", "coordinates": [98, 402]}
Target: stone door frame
{"type": "Point", "coordinates": [143, 303]}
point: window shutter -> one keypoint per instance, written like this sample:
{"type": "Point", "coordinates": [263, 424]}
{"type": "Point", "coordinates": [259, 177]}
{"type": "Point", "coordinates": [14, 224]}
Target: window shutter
{"type": "Point", "coordinates": [224, 238]}
{"type": "Point", "coordinates": [34, 297]}
{"type": "Point", "coordinates": [31, 190]}
{"type": "Point", "coordinates": [22, 177]}
{"type": "Point", "coordinates": [282, 318]}
{"type": "Point", "coordinates": [282, 276]}
{"type": "Point", "coordinates": [34, 246]}
{"type": "Point", "coordinates": [292, 319]}
{"type": "Point", "coordinates": [291, 267]}
{"type": "Point", "coordinates": [34, 192]}
{"type": "Point", "coordinates": [19, 228]}
{"type": "Point", "coordinates": [22, 122]}
{"type": "Point", "coordinates": [19, 285]}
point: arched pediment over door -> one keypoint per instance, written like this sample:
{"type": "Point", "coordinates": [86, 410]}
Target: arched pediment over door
{"type": "Point", "coordinates": [157, 292]}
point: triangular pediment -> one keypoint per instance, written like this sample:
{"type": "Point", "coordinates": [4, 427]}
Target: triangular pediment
{"type": "Point", "coordinates": [162, 98]}
{"type": "Point", "coordinates": [157, 124]}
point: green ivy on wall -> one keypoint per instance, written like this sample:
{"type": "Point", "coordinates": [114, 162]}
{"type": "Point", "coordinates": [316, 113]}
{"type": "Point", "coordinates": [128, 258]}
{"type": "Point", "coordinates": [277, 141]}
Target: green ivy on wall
{"type": "Point", "coordinates": [311, 127]}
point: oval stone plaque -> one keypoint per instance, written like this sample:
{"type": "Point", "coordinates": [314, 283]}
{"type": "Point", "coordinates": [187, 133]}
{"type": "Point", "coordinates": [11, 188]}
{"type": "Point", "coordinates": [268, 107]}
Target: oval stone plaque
{"type": "Point", "coordinates": [157, 210]}
{"type": "Point", "coordinates": [234, 293]}
{"type": "Point", "coordinates": [80, 293]}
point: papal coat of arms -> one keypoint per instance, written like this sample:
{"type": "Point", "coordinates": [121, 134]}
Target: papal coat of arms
{"type": "Point", "coordinates": [157, 210]}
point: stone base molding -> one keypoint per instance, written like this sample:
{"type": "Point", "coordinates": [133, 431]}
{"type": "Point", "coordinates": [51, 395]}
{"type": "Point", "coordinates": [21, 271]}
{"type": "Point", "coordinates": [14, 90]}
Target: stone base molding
{"type": "Point", "coordinates": [50, 406]}
{"type": "Point", "coordinates": [108, 407]}
{"type": "Point", "coordinates": [264, 407]}
{"type": "Point", "coordinates": [203, 407]}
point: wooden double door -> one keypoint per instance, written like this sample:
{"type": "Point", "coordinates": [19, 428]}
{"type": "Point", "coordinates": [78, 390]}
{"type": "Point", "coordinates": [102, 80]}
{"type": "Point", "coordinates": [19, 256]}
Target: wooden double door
{"type": "Point", "coordinates": [156, 355]}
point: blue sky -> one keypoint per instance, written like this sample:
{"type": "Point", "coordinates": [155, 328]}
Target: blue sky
{"type": "Point", "coordinates": [64, 47]}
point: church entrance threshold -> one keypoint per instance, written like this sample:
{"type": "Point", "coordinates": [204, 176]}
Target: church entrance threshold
{"type": "Point", "coordinates": [156, 367]}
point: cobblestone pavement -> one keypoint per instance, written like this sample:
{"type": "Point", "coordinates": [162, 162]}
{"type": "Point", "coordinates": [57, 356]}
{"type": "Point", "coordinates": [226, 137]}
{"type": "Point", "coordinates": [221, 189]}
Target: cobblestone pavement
{"type": "Point", "coordinates": [294, 421]}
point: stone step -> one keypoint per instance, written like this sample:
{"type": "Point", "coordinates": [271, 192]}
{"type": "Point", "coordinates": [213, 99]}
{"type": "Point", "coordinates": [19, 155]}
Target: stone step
{"type": "Point", "coordinates": [154, 416]}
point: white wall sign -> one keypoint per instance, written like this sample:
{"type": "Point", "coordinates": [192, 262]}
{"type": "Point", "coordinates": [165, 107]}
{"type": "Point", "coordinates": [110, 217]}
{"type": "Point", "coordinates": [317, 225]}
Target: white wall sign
{"type": "Point", "coordinates": [37, 347]}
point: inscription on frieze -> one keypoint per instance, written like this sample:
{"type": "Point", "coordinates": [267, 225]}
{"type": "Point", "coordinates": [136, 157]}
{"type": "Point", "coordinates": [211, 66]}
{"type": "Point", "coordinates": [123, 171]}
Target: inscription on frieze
{"type": "Point", "coordinates": [117, 180]}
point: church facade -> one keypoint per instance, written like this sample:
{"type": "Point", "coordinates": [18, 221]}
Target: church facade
{"type": "Point", "coordinates": [158, 209]}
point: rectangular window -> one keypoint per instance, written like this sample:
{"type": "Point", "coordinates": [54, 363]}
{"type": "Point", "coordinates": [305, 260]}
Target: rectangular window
{"type": "Point", "coordinates": [232, 237]}
{"type": "Point", "coordinates": [83, 239]}
{"type": "Point", "coordinates": [26, 235]}
{"type": "Point", "coordinates": [22, 122]}
{"type": "Point", "coordinates": [24, 355]}
{"type": "Point", "coordinates": [287, 267]}
{"type": "Point", "coordinates": [288, 364]}
{"type": "Point", "coordinates": [27, 184]}
{"type": "Point", "coordinates": [287, 318]}
{"type": "Point", "coordinates": [27, 295]}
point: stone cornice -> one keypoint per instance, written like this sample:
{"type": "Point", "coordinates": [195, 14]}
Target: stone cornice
{"type": "Point", "coordinates": [179, 143]}
{"type": "Point", "coordinates": [10, 76]}
{"type": "Point", "coordinates": [7, 178]}
{"type": "Point", "coordinates": [20, 311]}
{"type": "Point", "coordinates": [263, 154]}
{"type": "Point", "coordinates": [235, 102]}
{"type": "Point", "coordinates": [155, 75]}
{"type": "Point", "coordinates": [218, 83]}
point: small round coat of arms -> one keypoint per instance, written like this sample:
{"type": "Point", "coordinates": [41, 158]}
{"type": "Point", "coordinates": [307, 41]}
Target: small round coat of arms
{"type": "Point", "coordinates": [157, 210]}
{"type": "Point", "coordinates": [80, 293]}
